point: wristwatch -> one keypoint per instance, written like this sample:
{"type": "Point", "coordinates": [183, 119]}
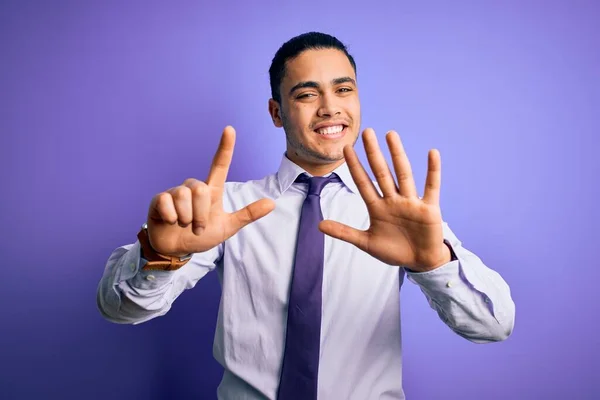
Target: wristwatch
{"type": "Point", "coordinates": [157, 261]}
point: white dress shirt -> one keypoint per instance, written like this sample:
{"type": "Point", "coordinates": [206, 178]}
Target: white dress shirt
{"type": "Point", "coordinates": [360, 335]}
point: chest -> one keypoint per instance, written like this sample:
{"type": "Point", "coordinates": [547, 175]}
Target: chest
{"type": "Point", "coordinates": [259, 260]}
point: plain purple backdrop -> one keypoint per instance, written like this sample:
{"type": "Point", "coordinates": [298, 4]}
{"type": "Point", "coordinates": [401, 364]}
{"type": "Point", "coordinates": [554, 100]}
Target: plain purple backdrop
{"type": "Point", "coordinates": [104, 105]}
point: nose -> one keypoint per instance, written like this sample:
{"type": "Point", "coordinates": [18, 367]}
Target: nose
{"type": "Point", "coordinates": [328, 107]}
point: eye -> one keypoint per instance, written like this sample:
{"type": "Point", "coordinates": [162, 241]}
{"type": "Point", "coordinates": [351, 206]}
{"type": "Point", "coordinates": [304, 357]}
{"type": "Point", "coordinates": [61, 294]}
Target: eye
{"type": "Point", "coordinates": [345, 89]}
{"type": "Point", "coordinates": [305, 95]}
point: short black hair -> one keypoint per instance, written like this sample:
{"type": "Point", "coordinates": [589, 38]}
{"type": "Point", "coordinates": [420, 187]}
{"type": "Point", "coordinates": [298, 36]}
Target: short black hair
{"type": "Point", "coordinates": [296, 45]}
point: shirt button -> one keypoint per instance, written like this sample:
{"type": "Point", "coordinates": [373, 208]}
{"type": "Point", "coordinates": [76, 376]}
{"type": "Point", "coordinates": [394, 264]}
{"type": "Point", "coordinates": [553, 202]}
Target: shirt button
{"type": "Point", "coordinates": [150, 277]}
{"type": "Point", "coordinates": [132, 267]}
{"type": "Point", "coordinates": [449, 284]}
{"type": "Point", "coordinates": [487, 299]}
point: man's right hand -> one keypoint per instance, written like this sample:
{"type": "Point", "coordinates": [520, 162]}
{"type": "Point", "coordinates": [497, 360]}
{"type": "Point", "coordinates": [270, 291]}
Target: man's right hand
{"type": "Point", "coordinates": [190, 218]}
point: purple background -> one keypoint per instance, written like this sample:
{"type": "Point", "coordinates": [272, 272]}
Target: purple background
{"type": "Point", "coordinates": [103, 105]}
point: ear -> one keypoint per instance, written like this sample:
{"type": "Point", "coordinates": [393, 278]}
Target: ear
{"type": "Point", "coordinates": [275, 112]}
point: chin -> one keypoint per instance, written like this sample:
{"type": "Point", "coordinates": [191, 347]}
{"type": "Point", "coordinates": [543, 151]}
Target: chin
{"type": "Point", "coordinates": [326, 158]}
{"type": "Point", "coordinates": [318, 153]}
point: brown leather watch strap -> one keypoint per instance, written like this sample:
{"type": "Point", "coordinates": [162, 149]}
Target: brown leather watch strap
{"type": "Point", "coordinates": [452, 253]}
{"type": "Point", "coordinates": [157, 261]}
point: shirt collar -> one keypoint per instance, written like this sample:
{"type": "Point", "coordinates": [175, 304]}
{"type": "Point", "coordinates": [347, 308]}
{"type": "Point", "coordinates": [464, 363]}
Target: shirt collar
{"type": "Point", "coordinates": [289, 171]}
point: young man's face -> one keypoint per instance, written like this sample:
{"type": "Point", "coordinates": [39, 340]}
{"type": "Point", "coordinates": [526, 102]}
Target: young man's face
{"type": "Point", "coordinates": [320, 109]}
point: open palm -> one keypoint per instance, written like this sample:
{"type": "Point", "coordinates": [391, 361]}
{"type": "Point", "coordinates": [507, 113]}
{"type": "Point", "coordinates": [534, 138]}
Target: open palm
{"type": "Point", "coordinates": [404, 230]}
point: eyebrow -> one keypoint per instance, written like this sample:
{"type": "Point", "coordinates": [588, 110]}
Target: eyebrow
{"type": "Point", "coordinates": [313, 84]}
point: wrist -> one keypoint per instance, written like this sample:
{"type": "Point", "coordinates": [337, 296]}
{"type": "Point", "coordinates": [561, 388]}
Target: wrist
{"type": "Point", "coordinates": [155, 260]}
{"type": "Point", "coordinates": [447, 255]}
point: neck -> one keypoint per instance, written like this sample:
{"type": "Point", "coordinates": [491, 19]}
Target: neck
{"type": "Point", "coordinates": [315, 169]}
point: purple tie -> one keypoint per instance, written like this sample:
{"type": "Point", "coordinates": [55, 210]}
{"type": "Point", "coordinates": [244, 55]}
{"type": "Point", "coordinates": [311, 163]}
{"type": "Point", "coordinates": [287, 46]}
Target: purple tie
{"type": "Point", "coordinates": [303, 335]}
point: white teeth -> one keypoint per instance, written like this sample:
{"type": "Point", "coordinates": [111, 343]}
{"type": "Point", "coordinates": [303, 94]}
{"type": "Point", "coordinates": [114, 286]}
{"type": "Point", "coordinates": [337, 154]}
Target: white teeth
{"type": "Point", "coordinates": [330, 130]}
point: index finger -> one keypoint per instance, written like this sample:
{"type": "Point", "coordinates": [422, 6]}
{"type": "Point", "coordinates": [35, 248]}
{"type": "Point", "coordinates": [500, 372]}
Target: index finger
{"type": "Point", "coordinates": [222, 159]}
{"type": "Point", "coordinates": [365, 186]}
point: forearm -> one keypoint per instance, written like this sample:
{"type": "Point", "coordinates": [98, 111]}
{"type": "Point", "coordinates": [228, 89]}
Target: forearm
{"type": "Point", "coordinates": [127, 294]}
{"type": "Point", "coordinates": [472, 299]}
{"type": "Point", "coordinates": [123, 296]}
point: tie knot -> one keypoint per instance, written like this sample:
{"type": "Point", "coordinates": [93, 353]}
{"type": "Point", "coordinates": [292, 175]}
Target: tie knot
{"type": "Point", "coordinates": [317, 183]}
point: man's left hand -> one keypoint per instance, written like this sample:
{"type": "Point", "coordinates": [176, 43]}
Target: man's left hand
{"type": "Point", "coordinates": [405, 230]}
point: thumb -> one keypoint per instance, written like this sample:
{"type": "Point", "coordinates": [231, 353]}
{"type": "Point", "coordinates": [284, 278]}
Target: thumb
{"type": "Point", "coordinates": [346, 233]}
{"type": "Point", "coordinates": [251, 213]}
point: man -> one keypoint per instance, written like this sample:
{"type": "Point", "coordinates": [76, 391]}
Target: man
{"type": "Point", "coordinates": [310, 259]}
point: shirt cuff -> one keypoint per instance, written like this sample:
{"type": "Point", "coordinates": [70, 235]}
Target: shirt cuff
{"type": "Point", "coordinates": [438, 280]}
{"type": "Point", "coordinates": [132, 273]}
{"type": "Point", "coordinates": [453, 279]}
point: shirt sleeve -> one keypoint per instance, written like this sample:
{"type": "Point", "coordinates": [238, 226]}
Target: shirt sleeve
{"type": "Point", "coordinates": [128, 295]}
{"type": "Point", "coordinates": [469, 297]}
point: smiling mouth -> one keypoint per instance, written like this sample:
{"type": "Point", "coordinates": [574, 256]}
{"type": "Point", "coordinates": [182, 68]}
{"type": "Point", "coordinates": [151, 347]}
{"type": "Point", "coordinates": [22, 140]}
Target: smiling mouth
{"type": "Point", "coordinates": [332, 131]}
